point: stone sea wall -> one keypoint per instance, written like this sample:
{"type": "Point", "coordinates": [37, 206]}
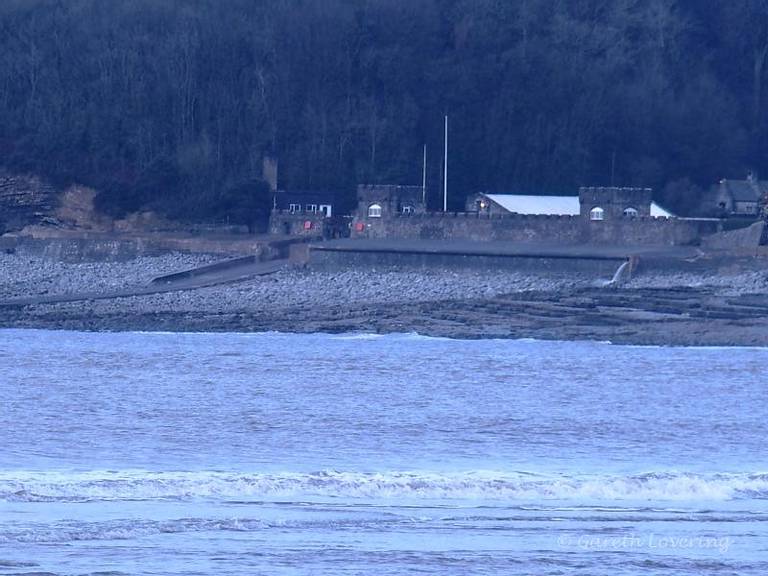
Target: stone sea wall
{"type": "Point", "coordinates": [748, 238]}
{"type": "Point", "coordinates": [328, 260]}
{"type": "Point", "coordinates": [106, 249]}
{"type": "Point", "coordinates": [642, 231]}
{"type": "Point", "coordinates": [286, 223]}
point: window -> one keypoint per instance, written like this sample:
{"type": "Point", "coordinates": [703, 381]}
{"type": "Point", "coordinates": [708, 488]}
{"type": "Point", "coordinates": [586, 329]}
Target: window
{"type": "Point", "coordinates": [326, 209]}
{"type": "Point", "coordinates": [293, 208]}
{"type": "Point", "coordinates": [630, 212]}
{"type": "Point", "coordinates": [311, 208]}
{"type": "Point", "coordinates": [407, 209]}
{"type": "Point", "coordinates": [597, 213]}
{"type": "Point", "coordinates": [374, 211]}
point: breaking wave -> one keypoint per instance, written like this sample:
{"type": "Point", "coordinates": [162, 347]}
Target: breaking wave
{"type": "Point", "coordinates": [358, 336]}
{"type": "Point", "coordinates": [143, 485]}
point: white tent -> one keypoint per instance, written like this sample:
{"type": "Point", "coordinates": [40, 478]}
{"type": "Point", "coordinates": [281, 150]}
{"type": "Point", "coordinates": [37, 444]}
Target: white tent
{"type": "Point", "coordinates": [659, 212]}
{"type": "Point", "coordinates": [553, 205]}
{"type": "Point", "coordinates": [522, 204]}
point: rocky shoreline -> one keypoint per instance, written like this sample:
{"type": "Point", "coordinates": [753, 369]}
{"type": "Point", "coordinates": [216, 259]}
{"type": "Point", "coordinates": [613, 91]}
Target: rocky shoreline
{"type": "Point", "coordinates": [655, 309]}
{"type": "Point", "coordinates": [25, 274]}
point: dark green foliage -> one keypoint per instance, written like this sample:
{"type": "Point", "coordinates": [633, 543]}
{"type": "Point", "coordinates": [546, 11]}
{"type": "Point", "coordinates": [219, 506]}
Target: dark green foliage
{"type": "Point", "coordinates": [158, 186]}
{"type": "Point", "coordinates": [247, 203]}
{"type": "Point", "coordinates": [161, 103]}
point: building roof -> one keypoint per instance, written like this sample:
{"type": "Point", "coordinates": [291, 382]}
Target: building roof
{"type": "Point", "coordinates": [659, 212]}
{"type": "Point", "coordinates": [306, 193]}
{"type": "Point", "coordinates": [744, 190]}
{"type": "Point", "coordinates": [555, 205]}
{"type": "Point", "coordinates": [524, 204]}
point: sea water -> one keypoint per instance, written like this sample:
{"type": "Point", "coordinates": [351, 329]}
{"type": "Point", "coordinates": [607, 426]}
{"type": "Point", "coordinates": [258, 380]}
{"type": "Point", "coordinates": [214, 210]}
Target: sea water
{"type": "Point", "coordinates": [155, 453]}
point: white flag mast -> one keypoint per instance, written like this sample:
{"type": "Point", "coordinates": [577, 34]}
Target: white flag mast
{"type": "Point", "coordinates": [445, 169]}
{"type": "Point", "coordinates": [424, 179]}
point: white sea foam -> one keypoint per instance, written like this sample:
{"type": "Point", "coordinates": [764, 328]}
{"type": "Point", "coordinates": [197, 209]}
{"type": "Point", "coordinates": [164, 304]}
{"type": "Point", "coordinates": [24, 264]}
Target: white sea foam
{"type": "Point", "coordinates": [394, 336]}
{"type": "Point", "coordinates": [142, 485]}
{"type": "Point", "coordinates": [73, 530]}
{"type": "Point", "coordinates": [357, 336]}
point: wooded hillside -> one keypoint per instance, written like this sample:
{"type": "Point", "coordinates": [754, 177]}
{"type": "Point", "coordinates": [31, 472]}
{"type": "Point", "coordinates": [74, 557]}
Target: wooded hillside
{"type": "Point", "coordinates": [172, 104]}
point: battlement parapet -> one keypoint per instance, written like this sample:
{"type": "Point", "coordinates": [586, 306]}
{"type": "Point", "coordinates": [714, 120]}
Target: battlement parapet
{"type": "Point", "coordinates": [484, 216]}
{"type": "Point", "coordinates": [640, 230]}
{"type": "Point", "coordinates": [614, 189]}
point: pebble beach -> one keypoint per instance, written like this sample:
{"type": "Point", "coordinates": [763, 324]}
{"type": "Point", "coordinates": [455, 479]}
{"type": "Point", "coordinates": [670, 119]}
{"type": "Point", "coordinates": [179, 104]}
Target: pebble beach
{"type": "Point", "coordinates": [660, 308]}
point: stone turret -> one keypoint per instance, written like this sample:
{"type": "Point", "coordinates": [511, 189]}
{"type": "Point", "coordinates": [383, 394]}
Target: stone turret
{"type": "Point", "coordinates": [384, 201]}
{"type": "Point", "coordinates": [604, 203]}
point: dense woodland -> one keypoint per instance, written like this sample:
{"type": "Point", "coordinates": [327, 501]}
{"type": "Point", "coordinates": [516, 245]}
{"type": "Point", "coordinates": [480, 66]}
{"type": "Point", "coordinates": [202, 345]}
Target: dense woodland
{"type": "Point", "coordinates": [171, 104]}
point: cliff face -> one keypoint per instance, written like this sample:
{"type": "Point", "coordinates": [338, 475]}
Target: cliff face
{"type": "Point", "coordinates": [24, 200]}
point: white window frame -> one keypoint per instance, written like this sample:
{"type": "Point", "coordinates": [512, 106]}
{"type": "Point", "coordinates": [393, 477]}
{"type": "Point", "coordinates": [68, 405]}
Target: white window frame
{"type": "Point", "coordinates": [597, 214]}
{"type": "Point", "coordinates": [631, 212]}
{"type": "Point", "coordinates": [311, 208]}
{"type": "Point", "coordinates": [374, 211]}
{"type": "Point", "coordinates": [326, 209]}
{"type": "Point", "coordinates": [294, 208]}
{"type": "Point", "coordinates": [408, 209]}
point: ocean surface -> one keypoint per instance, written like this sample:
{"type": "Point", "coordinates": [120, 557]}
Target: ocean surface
{"type": "Point", "coordinates": [154, 453]}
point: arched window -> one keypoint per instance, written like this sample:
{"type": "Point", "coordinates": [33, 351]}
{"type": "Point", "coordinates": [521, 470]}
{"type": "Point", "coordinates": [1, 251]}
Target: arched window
{"type": "Point", "coordinates": [630, 212]}
{"type": "Point", "coordinates": [597, 213]}
{"type": "Point", "coordinates": [374, 211]}
{"type": "Point", "coordinates": [407, 209]}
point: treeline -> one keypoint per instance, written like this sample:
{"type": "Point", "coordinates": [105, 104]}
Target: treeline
{"type": "Point", "coordinates": [172, 104]}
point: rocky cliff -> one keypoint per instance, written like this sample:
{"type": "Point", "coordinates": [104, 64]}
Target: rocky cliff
{"type": "Point", "coordinates": [24, 200]}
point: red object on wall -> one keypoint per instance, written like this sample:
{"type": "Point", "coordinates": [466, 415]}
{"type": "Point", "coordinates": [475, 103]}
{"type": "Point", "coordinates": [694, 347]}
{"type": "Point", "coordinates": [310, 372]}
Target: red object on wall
{"type": "Point", "coordinates": [359, 226]}
{"type": "Point", "coordinates": [307, 225]}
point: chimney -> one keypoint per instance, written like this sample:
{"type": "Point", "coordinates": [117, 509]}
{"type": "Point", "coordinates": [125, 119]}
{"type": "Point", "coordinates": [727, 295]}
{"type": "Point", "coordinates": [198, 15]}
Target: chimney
{"type": "Point", "coordinates": [269, 172]}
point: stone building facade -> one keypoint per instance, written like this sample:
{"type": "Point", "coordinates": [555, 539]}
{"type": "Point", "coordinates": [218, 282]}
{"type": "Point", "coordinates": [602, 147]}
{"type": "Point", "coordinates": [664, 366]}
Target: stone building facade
{"type": "Point", "coordinates": [384, 201]}
{"type": "Point", "coordinates": [316, 214]}
{"type": "Point", "coordinates": [741, 197]}
{"type": "Point", "coordinates": [598, 203]}
{"type": "Point", "coordinates": [618, 216]}
{"type": "Point", "coordinates": [312, 225]}
{"type": "Point", "coordinates": [591, 203]}
{"type": "Point", "coordinates": [309, 202]}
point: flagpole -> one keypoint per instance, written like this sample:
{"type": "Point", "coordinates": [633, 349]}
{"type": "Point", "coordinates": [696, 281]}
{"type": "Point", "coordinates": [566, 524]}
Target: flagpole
{"type": "Point", "coordinates": [424, 179]}
{"type": "Point", "coordinates": [445, 169]}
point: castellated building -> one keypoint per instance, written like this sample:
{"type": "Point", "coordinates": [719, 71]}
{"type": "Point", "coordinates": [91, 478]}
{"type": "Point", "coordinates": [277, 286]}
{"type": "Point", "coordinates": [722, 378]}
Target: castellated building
{"type": "Point", "coordinates": [598, 215]}
{"type": "Point", "coordinates": [592, 203]}
{"type": "Point", "coordinates": [612, 203]}
{"type": "Point", "coordinates": [385, 201]}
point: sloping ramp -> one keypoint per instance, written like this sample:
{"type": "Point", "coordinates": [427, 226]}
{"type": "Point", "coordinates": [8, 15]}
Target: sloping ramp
{"type": "Point", "coordinates": [225, 272]}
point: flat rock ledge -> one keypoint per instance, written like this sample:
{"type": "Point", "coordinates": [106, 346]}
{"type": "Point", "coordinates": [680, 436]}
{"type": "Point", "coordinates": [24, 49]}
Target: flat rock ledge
{"type": "Point", "coordinates": [662, 309]}
{"type": "Point", "coordinates": [678, 317]}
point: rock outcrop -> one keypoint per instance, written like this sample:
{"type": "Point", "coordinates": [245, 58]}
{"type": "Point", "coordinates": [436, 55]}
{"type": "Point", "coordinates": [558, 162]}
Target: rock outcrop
{"type": "Point", "coordinates": [24, 200]}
